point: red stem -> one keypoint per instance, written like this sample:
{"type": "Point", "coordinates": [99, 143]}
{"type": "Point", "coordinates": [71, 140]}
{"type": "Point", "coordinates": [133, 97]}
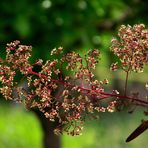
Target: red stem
{"type": "Point", "coordinates": [95, 92]}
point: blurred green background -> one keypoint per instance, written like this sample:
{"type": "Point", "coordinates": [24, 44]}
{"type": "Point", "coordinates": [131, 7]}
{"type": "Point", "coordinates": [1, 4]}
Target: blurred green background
{"type": "Point", "coordinates": [76, 25]}
{"type": "Point", "coordinates": [21, 129]}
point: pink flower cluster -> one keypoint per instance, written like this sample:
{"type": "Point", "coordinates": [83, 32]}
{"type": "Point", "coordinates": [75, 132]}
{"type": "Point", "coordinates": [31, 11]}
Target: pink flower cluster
{"type": "Point", "coordinates": [131, 47]}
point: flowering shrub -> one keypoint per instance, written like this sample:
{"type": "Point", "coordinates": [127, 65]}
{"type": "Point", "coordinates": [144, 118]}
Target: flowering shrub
{"type": "Point", "coordinates": [70, 98]}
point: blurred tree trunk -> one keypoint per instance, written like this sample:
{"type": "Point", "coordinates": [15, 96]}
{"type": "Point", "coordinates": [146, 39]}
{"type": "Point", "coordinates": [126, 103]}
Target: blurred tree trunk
{"type": "Point", "coordinates": [50, 140]}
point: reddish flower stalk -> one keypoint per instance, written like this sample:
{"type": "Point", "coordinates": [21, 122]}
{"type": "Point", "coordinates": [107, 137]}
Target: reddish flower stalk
{"type": "Point", "coordinates": [104, 95]}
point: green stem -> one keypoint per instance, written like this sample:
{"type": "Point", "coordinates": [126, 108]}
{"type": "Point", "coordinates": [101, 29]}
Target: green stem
{"type": "Point", "coordinates": [125, 87]}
